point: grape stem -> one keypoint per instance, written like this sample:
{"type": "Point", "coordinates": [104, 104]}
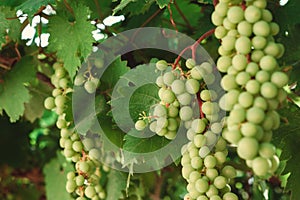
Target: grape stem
{"type": "Point", "coordinates": [200, 106]}
{"type": "Point", "coordinates": [215, 2]}
{"type": "Point", "coordinates": [193, 47]}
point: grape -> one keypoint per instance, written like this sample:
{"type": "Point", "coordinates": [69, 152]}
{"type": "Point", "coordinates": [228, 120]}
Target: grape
{"type": "Point", "coordinates": [220, 182]}
{"type": "Point", "coordinates": [267, 150]}
{"type": "Point", "coordinates": [99, 63]}
{"type": "Point", "coordinates": [60, 73]}
{"type": "Point", "coordinates": [247, 148]}
{"type": "Point", "coordinates": [255, 115]}
{"type": "Point", "coordinates": [198, 125]}
{"type": "Point", "coordinates": [229, 172]}
{"type": "Point", "coordinates": [259, 42]}
{"type": "Point", "coordinates": [160, 81]}
{"type": "Point", "coordinates": [230, 196]}
{"type": "Point", "coordinates": [228, 25]}
{"type": "Point", "coordinates": [267, 15]}
{"type": "Point", "coordinates": [252, 14]}
{"type": "Point", "coordinates": [161, 65]}
{"type": "Point", "coordinates": [49, 103]}
{"type": "Point", "coordinates": [63, 83]}
{"type": "Point", "coordinates": [89, 191]}
{"type": "Point", "coordinates": [237, 115]}
{"type": "Point", "coordinates": [239, 62]}
{"type": "Point", "coordinates": [172, 111]}
{"type": "Point", "coordinates": [197, 72]}
{"type": "Point", "coordinates": [160, 111]}
{"type": "Point", "coordinates": [168, 96]}
{"type": "Point", "coordinates": [261, 28]}
{"type": "Point", "coordinates": [252, 68]}
{"type": "Point", "coordinates": [192, 86]}
{"type": "Point", "coordinates": [190, 63]}
{"type": "Point", "coordinates": [79, 180]}
{"type": "Point", "coordinates": [235, 14]}
{"type": "Point", "coordinates": [196, 162]}
{"type": "Point", "coordinates": [207, 67]}
{"type": "Point", "coordinates": [83, 166]}
{"type": "Point", "coordinates": [79, 80]}
{"type": "Point", "coordinates": [260, 166]}
{"type": "Point", "coordinates": [221, 157]}
{"type": "Point", "coordinates": [199, 140]}
{"type": "Point", "coordinates": [262, 76]}
{"type": "Point", "coordinates": [140, 125]}
{"type": "Point", "coordinates": [221, 9]}
{"type": "Point", "coordinates": [208, 95]}
{"type": "Point", "coordinates": [178, 86]}
{"type": "Point", "coordinates": [211, 174]}
{"type": "Point", "coordinates": [249, 129]}
{"type": "Point", "coordinates": [60, 101]}
{"type": "Point", "coordinates": [61, 123]}
{"type": "Point", "coordinates": [212, 191]}
{"type": "Point", "coordinates": [268, 90]}
{"type": "Point", "coordinates": [245, 99]}
{"type": "Point", "coordinates": [70, 186]}
{"type": "Point", "coordinates": [223, 63]}
{"type": "Point", "coordinates": [204, 151]}
{"type": "Point", "coordinates": [242, 78]}
{"type": "Point", "coordinates": [216, 19]}
{"type": "Point", "coordinates": [253, 87]}
{"type": "Point", "coordinates": [220, 32]}
{"type": "Point", "coordinates": [194, 176]}
{"type": "Point", "coordinates": [228, 82]}
{"type": "Point", "coordinates": [210, 161]}
{"type": "Point", "coordinates": [70, 175]}
{"type": "Point", "coordinates": [90, 87]}
{"type": "Point", "coordinates": [172, 124]}
{"type": "Point", "coordinates": [201, 185]}
{"type": "Point", "coordinates": [77, 146]}
{"type": "Point", "coordinates": [243, 45]}
{"type": "Point", "coordinates": [272, 49]}
{"type": "Point", "coordinates": [228, 43]}
{"type": "Point", "coordinates": [257, 55]}
{"type": "Point", "coordinates": [94, 154]}
{"type": "Point", "coordinates": [244, 28]}
{"type": "Point", "coordinates": [186, 113]}
{"type": "Point", "coordinates": [168, 78]}
{"type": "Point", "coordinates": [280, 79]}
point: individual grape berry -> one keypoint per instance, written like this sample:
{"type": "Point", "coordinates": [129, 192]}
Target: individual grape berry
{"type": "Point", "coordinates": [197, 72]}
{"type": "Point", "coordinates": [268, 90]}
{"type": "Point", "coordinates": [260, 166]}
{"type": "Point", "coordinates": [95, 154]}
{"type": "Point", "coordinates": [220, 182]}
{"type": "Point", "coordinates": [168, 96]}
{"type": "Point", "coordinates": [259, 42]}
{"type": "Point", "coordinates": [178, 86]}
{"type": "Point", "coordinates": [247, 148]}
{"type": "Point", "coordinates": [140, 125]}
{"type": "Point", "coordinates": [190, 63]}
{"type": "Point", "coordinates": [90, 191]}
{"type": "Point", "coordinates": [49, 103]}
{"type": "Point", "coordinates": [60, 100]}
{"type": "Point", "coordinates": [77, 146]}
{"type": "Point", "coordinates": [79, 180]}
{"type": "Point", "coordinates": [201, 185]}
{"type": "Point", "coordinates": [185, 113]}
{"type": "Point", "coordinates": [90, 86]}
{"type": "Point", "coordinates": [243, 45]}
{"type": "Point", "coordinates": [252, 14]}
{"type": "Point", "coordinates": [261, 28]}
{"type": "Point", "coordinates": [192, 86]}
{"type": "Point", "coordinates": [229, 171]}
{"type": "Point", "coordinates": [168, 77]}
{"type": "Point", "coordinates": [60, 72]}
{"type": "Point", "coordinates": [83, 166]}
{"type": "Point", "coordinates": [280, 79]}
{"type": "Point", "coordinates": [235, 14]}
{"type": "Point", "coordinates": [70, 186]}
{"type": "Point", "coordinates": [99, 62]}
{"type": "Point", "coordinates": [161, 65]}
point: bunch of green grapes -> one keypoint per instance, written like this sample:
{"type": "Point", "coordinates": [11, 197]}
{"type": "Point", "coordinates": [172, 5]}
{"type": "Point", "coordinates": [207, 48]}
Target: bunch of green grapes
{"type": "Point", "coordinates": [252, 80]}
{"type": "Point", "coordinates": [84, 182]}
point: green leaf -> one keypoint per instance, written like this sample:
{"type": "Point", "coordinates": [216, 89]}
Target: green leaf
{"type": "Point", "coordinates": [287, 137]}
{"type": "Point", "coordinates": [117, 182]}
{"type": "Point", "coordinates": [100, 9]}
{"type": "Point", "coordinates": [30, 7]}
{"type": "Point", "coordinates": [11, 3]}
{"type": "Point", "coordinates": [162, 3]}
{"type": "Point", "coordinates": [4, 25]}
{"type": "Point", "coordinates": [56, 177]}
{"type": "Point", "coordinates": [13, 27]}
{"type": "Point", "coordinates": [122, 5]}
{"type": "Point", "coordinates": [71, 40]}
{"type": "Point", "coordinates": [15, 93]}
{"type": "Point", "coordinates": [138, 7]}
{"type": "Point", "coordinates": [206, 1]}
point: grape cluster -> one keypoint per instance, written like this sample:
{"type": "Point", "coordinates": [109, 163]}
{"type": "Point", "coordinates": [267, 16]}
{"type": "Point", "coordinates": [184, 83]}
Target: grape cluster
{"type": "Point", "coordinates": [252, 80]}
{"type": "Point", "coordinates": [84, 182]}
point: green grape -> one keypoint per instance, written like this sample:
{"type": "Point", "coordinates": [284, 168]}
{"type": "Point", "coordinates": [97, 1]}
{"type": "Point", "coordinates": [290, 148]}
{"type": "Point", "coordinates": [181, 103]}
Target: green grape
{"type": "Point", "coordinates": [70, 175]}
{"type": "Point", "coordinates": [207, 67]}
{"type": "Point", "coordinates": [197, 72]}
{"type": "Point", "coordinates": [220, 32]}
{"type": "Point", "coordinates": [252, 14]}
{"type": "Point", "coordinates": [280, 79]}
{"type": "Point", "coordinates": [233, 33]}
{"type": "Point", "coordinates": [235, 14]}
{"type": "Point", "coordinates": [190, 63]}
{"type": "Point", "coordinates": [60, 101]}
{"type": "Point", "coordinates": [228, 82]}
{"type": "Point", "coordinates": [140, 125]}
{"type": "Point", "coordinates": [160, 110]}
{"type": "Point", "coordinates": [216, 128]}
{"type": "Point", "coordinates": [49, 103]}
{"type": "Point", "coordinates": [190, 134]}
{"type": "Point", "coordinates": [244, 28]}
{"type": "Point", "coordinates": [83, 166]}
{"type": "Point", "coordinates": [79, 180]}
{"type": "Point", "coordinates": [259, 42]}
{"type": "Point", "coordinates": [210, 161]}
{"type": "Point", "coordinates": [172, 124]}
{"type": "Point", "coordinates": [221, 157]}
{"type": "Point", "coordinates": [178, 86]}
{"type": "Point", "coordinates": [199, 140]}
{"type": "Point", "coordinates": [56, 92]}
{"type": "Point", "coordinates": [212, 191]}
{"type": "Point", "coordinates": [262, 76]}
{"type": "Point", "coordinates": [252, 68]}
{"type": "Point", "coordinates": [204, 151]}
{"type": "Point", "coordinates": [267, 150]}
{"type": "Point", "coordinates": [228, 43]}
{"type": "Point", "coordinates": [223, 63]}
{"type": "Point", "coordinates": [168, 77]}
{"type": "Point", "coordinates": [99, 63]}
{"type": "Point", "coordinates": [253, 87]}
{"type": "Point", "coordinates": [267, 15]}
{"type": "Point", "coordinates": [60, 73]}
{"type": "Point", "coordinates": [229, 172]}
{"type": "Point", "coordinates": [160, 81]}
{"type": "Point", "coordinates": [221, 8]}
{"type": "Point", "coordinates": [261, 28]}
{"type": "Point", "coordinates": [94, 154]}
{"type": "Point", "coordinates": [243, 45]}
{"type": "Point", "coordinates": [161, 65]}
{"type": "Point", "coordinates": [77, 146]}
{"type": "Point", "coordinates": [70, 186]}
{"type": "Point", "coordinates": [88, 143]}
{"type": "Point", "coordinates": [249, 129]}
{"type": "Point", "coordinates": [210, 108]}
{"type": "Point", "coordinates": [201, 185]}
{"type": "Point", "coordinates": [260, 166]}
{"type": "Point", "coordinates": [172, 111]}
{"type": "Point", "coordinates": [260, 102]}
{"type": "Point", "coordinates": [255, 115]}
{"type": "Point", "coordinates": [162, 122]}
{"type": "Point", "coordinates": [230, 196]}
{"type": "Point", "coordinates": [79, 80]}
{"type": "Point", "coordinates": [272, 49]}
{"type": "Point", "coordinates": [257, 55]}
{"type": "Point", "coordinates": [268, 90]}
{"type": "Point", "coordinates": [56, 65]}
{"type": "Point", "coordinates": [192, 86]}
{"type": "Point", "coordinates": [211, 173]}
{"type": "Point", "coordinates": [90, 191]}
{"type": "Point", "coordinates": [153, 126]}
{"type": "Point", "coordinates": [63, 83]}
{"type": "Point", "coordinates": [168, 96]}
{"type": "Point", "coordinates": [239, 62]}
{"type": "Point", "coordinates": [194, 176]}
{"type": "Point", "coordinates": [237, 115]}
{"type": "Point", "coordinates": [196, 162]}
{"type": "Point", "coordinates": [216, 19]}
{"type": "Point", "coordinates": [247, 148]}
{"type": "Point", "coordinates": [185, 113]}
{"type": "Point", "coordinates": [242, 78]}
{"type": "Point", "coordinates": [223, 52]}
{"type": "Point", "coordinates": [228, 25]}
{"type": "Point", "coordinates": [220, 182]}
{"type": "Point", "coordinates": [208, 95]}
{"type": "Point", "coordinates": [61, 123]}
{"type": "Point", "coordinates": [186, 171]}
{"type": "Point", "coordinates": [245, 99]}
{"type": "Point", "coordinates": [90, 87]}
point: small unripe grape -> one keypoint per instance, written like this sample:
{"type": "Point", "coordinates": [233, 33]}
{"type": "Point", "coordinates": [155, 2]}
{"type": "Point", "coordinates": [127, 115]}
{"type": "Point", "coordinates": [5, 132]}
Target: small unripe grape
{"type": "Point", "coordinates": [212, 191]}
{"type": "Point", "coordinates": [60, 72]}
{"type": "Point", "coordinates": [221, 8]}
{"type": "Point", "coordinates": [88, 143]}
{"type": "Point", "coordinates": [198, 125]}
{"type": "Point", "coordinates": [228, 43]}
{"type": "Point", "coordinates": [199, 140]}
{"type": "Point", "coordinates": [259, 42]}
{"type": "Point", "coordinates": [79, 180]}
{"type": "Point", "coordinates": [228, 24]}
{"type": "Point", "coordinates": [160, 81]}
{"type": "Point", "coordinates": [235, 14]}
{"type": "Point", "coordinates": [194, 176]}
{"type": "Point", "coordinates": [90, 87]}
{"type": "Point", "coordinates": [186, 171]}
{"type": "Point", "coordinates": [168, 96]}
{"type": "Point", "coordinates": [210, 161]}
{"type": "Point", "coordinates": [239, 62]}
{"type": "Point", "coordinates": [229, 171]}
{"type": "Point", "coordinates": [61, 123]}
{"type": "Point", "coordinates": [221, 157]}
{"type": "Point", "coordinates": [237, 115]}
{"type": "Point", "coordinates": [267, 15]}
{"type": "Point", "coordinates": [220, 32]}
{"type": "Point", "coordinates": [160, 110]}
{"type": "Point", "coordinates": [94, 154]}
{"type": "Point", "coordinates": [201, 185]}
{"type": "Point", "coordinates": [280, 79]}
{"type": "Point", "coordinates": [192, 86]}
{"type": "Point", "coordinates": [178, 86]}
{"type": "Point", "coordinates": [228, 82]}
{"type": "Point", "coordinates": [245, 28]}
{"type": "Point", "coordinates": [77, 146]}
{"type": "Point", "coordinates": [60, 101]}
{"type": "Point", "coordinates": [272, 49]}
{"type": "Point", "coordinates": [243, 45]}
{"type": "Point", "coordinates": [190, 63]}
{"type": "Point", "coordinates": [79, 80]}
{"type": "Point", "coordinates": [267, 150]}
{"type": "Point", "coordinates": [268, 90]}
{"type": "Point", "coordinates": [245, 99]}
{"type": "Point", "coordinates": [220, 182]}
{"type": "Point", "coordinates": [63, 83]}
{"type": "Point", "coordinates": [211, 173]}
{"type": "Point", "coordinates": [197, 72]}
{"type": "Point", "coordinates": [262, 76]}
{"type": "Point", "coordinates": [70, 175]}
{"type": "Point", "coordinates": [168, 77]}
{"type": "Point", "coordinates": [223, 63]}
{"type": "Point", "coordinates": [185, 113]}
{"type": "Point", "coordinates": [172, 111]}
{"type": "Point", "coordinates": [70, 186]}
{"type": "Point", "coordinates": [161, 65]}
{"type": "Point", "coordinates": [140, 125]}
{"type": "Point", "coordinates": [242, 78]}
{"type": "Point", "coordinates": [247, 148]}
{"type": "Point", "coordinates": [49, 103]}
{"type": "Point", "coordinates": [257, 55]}
{"type": "Point", "coordinates": [196, 162]}
{"type": "Point", "coordinates": [230, 196]}
{"type": "Point", "coordinates": [252, 68]}
{"type": "Point", "coordinates": [249, 129]}
{"type": "Point", "coordinates": [89, 191]}
{"type": "Point", "coordinates": [208, 95]}
{"type": "Point", "coordinates": [253, 87]}
{"type": "Point", "coordinates": [252, 14]}
{"type": "Point", "coordinates": [216, 19]}
{"type": "Point", "coordinates": [99, 62]}
{"type": "Point", "coordinates": [207, 67]}
{"type": "Point", "coordinates": [255, 115]}
{"type": "Point", "coordinates": [261, 28]}
{"type": "Point", "coordinates": [260, 166]}
{"type": "Point", "coordinates": [83, 166]}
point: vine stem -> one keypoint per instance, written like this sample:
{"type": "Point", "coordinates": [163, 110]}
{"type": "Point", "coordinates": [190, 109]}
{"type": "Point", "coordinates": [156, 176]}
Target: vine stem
{"type": "Point", "coordinates": [193, 47]}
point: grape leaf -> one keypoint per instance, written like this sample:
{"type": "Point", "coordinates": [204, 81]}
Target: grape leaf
{"type": "Point", "coordinates": [100, 9]}
{"type": "Point", "coordinates": [287, 137]}
{"type": "Point", "coordinates": [138, 7]}
{"type": "Point", "coordinates": [30, 7]}
{"type": "Point", "coordinates": [11, 3]}
{"type": "Point", "coordinates": [71, 40]}
{"type": "Point", "coordinates": [117, 182]}
{"type": "Point", "coordinates": [56, 177]}
{"type": "Point", "coordinates": [205, 1]}
{"type": "Point", "coordinates": [14, 93]}
{"type": "Point", "coordinates": [122, 5]}
{"type": "Point", "coordinates": [3, 27]}
{"type": "Point", "coordinates": [162, 3]}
